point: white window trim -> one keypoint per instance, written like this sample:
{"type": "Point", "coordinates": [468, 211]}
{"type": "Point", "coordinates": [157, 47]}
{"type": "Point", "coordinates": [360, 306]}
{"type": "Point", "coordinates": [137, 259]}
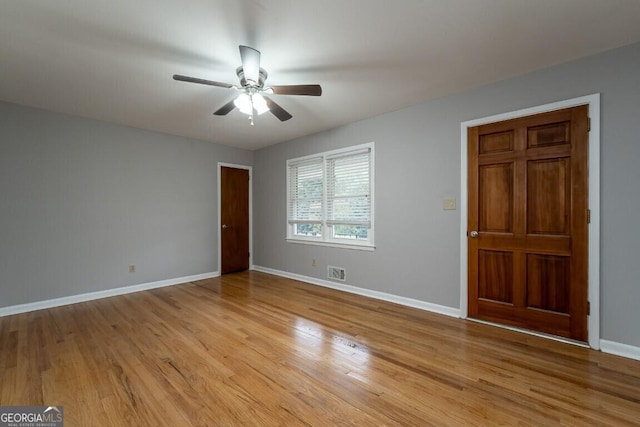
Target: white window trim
{"type": "Point", "coordinates": [325, 240]}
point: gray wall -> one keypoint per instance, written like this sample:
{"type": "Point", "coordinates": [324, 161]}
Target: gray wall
{"type": "Point", "coordinates": [80, 200]}
{"type": "Point", "coordinates": [418, 164]}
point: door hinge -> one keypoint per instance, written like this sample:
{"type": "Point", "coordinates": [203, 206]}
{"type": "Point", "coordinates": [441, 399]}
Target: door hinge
{"type": "Point", "coordinates": [589, 124]}
{"type": "Point", "coordinates": [588, 216]}
{"type": "Point", "coordinates": [588, 308]}
{"type": "Point", "coordinates": [248, 254]}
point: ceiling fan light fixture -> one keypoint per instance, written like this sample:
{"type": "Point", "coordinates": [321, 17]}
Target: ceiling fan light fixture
{"type": "Point", "coordinates": [244, 104]}
{"type": "Point", "coordinates": [259, 103]}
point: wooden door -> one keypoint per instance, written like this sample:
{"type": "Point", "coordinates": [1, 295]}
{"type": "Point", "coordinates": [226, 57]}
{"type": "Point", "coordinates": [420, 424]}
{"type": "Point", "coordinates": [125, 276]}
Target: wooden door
{"type": "Point", "coordinates": [527, 222]}
{"type": "Point", "coordinates": [234, 219]}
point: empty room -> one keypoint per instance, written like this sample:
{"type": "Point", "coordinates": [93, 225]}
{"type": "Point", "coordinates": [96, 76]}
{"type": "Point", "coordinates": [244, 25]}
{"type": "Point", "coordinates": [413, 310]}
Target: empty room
{"type": "Point", "coordinates": [364, 212]}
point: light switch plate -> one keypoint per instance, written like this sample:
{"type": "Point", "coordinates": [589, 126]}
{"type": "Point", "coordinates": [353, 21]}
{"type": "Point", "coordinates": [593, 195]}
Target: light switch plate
{"type": "Point", "coordinates": [449, 204]}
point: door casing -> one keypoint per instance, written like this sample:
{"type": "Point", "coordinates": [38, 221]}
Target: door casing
{"type": "Point", "coordinates": [593, 101]}
{"type": "Point", "coordinates": [250, 169]}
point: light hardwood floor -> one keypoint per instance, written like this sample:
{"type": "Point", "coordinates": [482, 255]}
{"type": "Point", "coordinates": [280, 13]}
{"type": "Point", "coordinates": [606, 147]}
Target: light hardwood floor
{"type": "Point", "coordinates": [255, 349]}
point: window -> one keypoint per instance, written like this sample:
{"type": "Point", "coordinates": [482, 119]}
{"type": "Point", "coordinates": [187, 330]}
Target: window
{"type": "Point", "coordinates": [330, 198]}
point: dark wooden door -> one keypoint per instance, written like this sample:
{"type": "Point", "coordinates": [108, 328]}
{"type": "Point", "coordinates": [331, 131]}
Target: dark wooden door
{"type": "Point", "coordinates": [527, 222]}
{"type": "Point", "coordinates": [234, 219]}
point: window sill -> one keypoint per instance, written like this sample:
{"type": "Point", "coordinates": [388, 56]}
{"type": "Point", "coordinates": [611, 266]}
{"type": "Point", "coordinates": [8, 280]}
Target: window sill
{"type": "Point", "coordinates": [333, 245]}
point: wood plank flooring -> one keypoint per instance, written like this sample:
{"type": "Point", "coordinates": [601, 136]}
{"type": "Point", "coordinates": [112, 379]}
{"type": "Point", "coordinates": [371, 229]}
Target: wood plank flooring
{"type": "Point", "coordinates": [259, 350]}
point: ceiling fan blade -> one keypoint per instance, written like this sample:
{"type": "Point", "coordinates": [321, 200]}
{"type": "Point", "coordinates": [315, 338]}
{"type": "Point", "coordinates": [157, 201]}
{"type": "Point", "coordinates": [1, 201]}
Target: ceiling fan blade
{"type": "Point", "coordinates": [250, 63]}
{"type": "Point", "coordinates": [225, 109]}
{"type": "Point", "coordinates": [310, 90]}
{"type": "Point", "coordinates": [201, 81]}
{"type": "Point", "coordinates": [277, 110]}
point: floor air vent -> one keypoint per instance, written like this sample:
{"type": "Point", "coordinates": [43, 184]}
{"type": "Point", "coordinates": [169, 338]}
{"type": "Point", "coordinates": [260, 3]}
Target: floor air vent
{"type": "Point", "coordinates": [336, 273]}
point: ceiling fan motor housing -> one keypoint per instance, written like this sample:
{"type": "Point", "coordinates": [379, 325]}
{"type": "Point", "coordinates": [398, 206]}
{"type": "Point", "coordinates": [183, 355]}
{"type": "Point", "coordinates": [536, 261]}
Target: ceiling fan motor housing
{"type": "Point", "coordinates": [262, 76]}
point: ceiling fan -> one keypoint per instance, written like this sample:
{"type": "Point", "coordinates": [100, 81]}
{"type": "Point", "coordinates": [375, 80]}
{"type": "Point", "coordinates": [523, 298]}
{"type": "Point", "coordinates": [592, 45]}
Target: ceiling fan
{"type": "Point", "coordinates": [252, 88]}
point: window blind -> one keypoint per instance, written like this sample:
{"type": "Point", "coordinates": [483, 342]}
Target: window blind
{"type": "Point", "coordinates": [348, 189]}
{"type": "Point", "coordinates": [305, 191]}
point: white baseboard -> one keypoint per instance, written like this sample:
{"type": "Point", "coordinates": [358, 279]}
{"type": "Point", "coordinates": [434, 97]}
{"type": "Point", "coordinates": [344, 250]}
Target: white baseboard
{"type": "Point", "coordinates": [409, 302]}
{"type": "Point", "coordinates": [610, 347]}
{"type": "Point", "coordinates": [619, 349]}
{"type": "Point", "coordinates": [57, 302]}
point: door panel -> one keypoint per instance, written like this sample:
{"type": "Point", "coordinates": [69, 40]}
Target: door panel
{"type": "Point", "coordinates": [496, 198]}
{"type": "Point", "coordinates": [496, 276]}
{"type": "Point", "coordinates": [548, 135]}
{"type": "Point", "coordinates": [234, 218]}
{"type": "Point", "coordinates": [548, 196]}
{"type": "Point", "coordinates": [548, 278]}
{"type": "Point", "coordinates": [528, 205]}
{"type": "Point", "coordinates": [496, 142]}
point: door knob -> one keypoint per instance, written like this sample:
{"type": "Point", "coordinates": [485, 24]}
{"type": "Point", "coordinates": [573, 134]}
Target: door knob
{"type": "Point", "coordinates": [474, 234]}
{"type": "Point", "coordinates": [224, 226]}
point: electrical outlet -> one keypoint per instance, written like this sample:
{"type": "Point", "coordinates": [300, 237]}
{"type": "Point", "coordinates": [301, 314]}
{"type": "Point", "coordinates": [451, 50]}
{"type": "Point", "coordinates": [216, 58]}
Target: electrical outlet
{"type": "Point", "coordinates": [313, 262]}
{"type": "Point", "coordinates": [132, 268]}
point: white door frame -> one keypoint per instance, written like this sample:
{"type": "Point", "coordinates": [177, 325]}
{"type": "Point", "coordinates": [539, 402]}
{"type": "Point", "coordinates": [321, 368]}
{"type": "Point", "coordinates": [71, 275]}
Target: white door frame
{"type": "Point", "coordinates": [250, 169]}
{"type": "Point", "coordinates": [593, 101]}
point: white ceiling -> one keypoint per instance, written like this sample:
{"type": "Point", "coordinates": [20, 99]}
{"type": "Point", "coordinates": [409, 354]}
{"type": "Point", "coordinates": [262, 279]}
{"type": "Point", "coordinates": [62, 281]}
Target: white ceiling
{"type": "Point", "coordinates": [113, 60]}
